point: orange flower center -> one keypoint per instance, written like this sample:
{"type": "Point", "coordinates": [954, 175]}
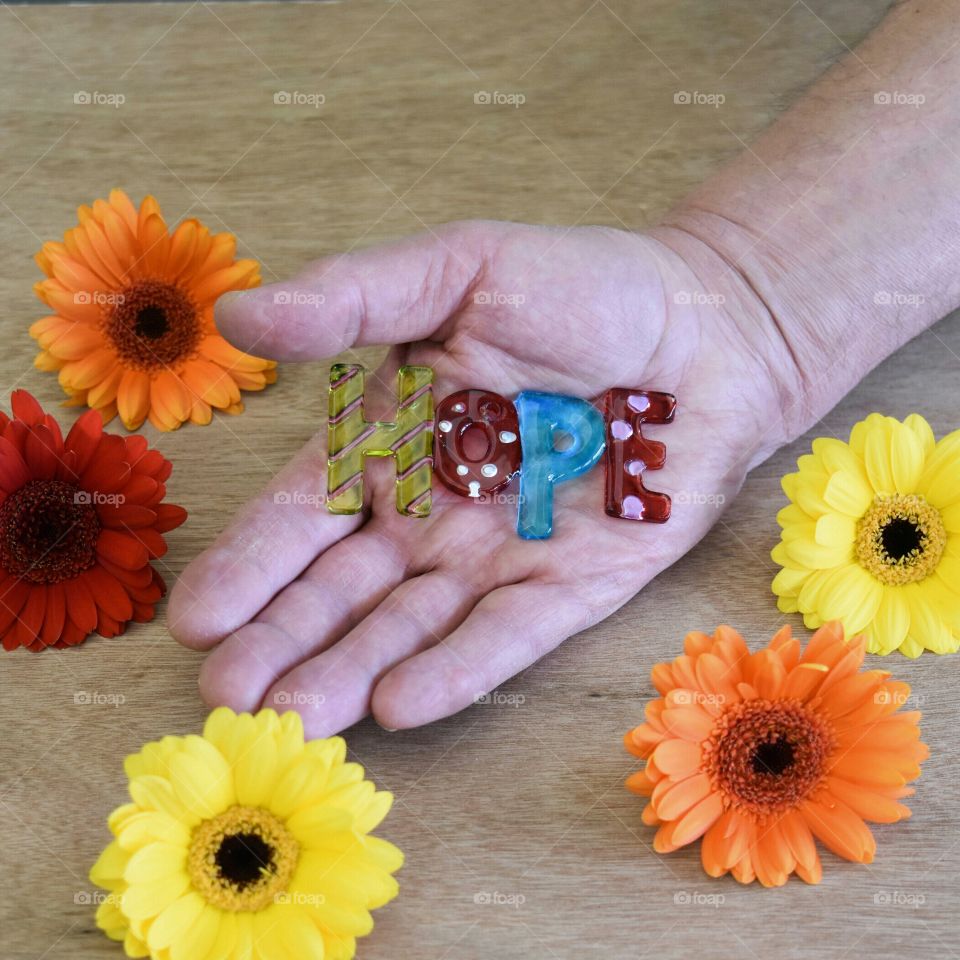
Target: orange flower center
{"type": "Point", "coordinates": [48, 532]}
{"type": "Point", "coordinates": [153, 324]}
{"type": "Point", "coordinates": [767, 756]}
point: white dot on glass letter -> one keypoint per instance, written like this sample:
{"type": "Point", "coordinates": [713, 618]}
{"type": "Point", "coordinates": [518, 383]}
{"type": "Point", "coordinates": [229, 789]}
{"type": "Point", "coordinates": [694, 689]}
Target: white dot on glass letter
{"type": "Point", "coordinates": [489, 469]}
{"type": "Point", "coordinates": [506, 436]}
{"type": "Point", "coordinates": [445, 426]}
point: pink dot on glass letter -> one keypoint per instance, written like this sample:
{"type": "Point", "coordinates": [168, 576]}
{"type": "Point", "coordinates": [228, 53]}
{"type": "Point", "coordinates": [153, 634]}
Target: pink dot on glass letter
{"type": "Point", "coordinates": [621, 429]}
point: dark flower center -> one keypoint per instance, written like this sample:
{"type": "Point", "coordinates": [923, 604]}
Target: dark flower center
{"type": "Point", "coordinates": [242, 858]}
{"type": "Point", "coordinates": [773, 756]}
{"type": "Point", "coordinates": [768, 755]}
{"type": "Point", "coordinates": [153, 324]}
{"type": "Point", "coordinates": [48, 532]}
{"type": "Point", "coordinates": [901, 538]}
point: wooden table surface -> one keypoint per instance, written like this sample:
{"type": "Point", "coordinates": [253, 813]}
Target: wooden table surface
{"type": "Point", "coordinates": [523, 799]}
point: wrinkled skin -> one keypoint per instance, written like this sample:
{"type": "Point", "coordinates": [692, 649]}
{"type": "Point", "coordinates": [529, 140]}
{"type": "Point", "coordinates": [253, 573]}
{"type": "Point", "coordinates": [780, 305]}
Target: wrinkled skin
{"type": "Point", "coordinates": [412, 619]}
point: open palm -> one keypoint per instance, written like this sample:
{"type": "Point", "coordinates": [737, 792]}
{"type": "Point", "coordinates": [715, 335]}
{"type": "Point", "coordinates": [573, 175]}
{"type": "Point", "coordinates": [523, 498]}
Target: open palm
{"type": "Point", "coordinates": [413, 619]}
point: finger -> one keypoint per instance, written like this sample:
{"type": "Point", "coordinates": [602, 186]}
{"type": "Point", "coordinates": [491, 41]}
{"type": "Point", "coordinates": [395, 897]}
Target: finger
{"type": "Point", "coordinates": [508, 630]}
{"type": "Point", "coordinates": [332, 691]}
{"type": "Point", "coordinates": [270, 541]}
{"type": "Point", "coordinates": [394, 293]}
{"type": "Point", "coordinates": [333, 595]}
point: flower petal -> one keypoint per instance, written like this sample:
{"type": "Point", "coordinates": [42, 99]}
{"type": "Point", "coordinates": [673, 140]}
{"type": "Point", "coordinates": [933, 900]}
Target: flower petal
{"type": "Point", "coordinates": [688, 723]}
{"type": "Point", "coordinates": [175, 921]}
{"type": "Point", "coordinates": [698, 820]}
{"type": "Point", "coordinates": [133, 398]}
{"type": "Point", "coordinates": [891, 623]}
{"type": "Point", "coordinates": [677, 758]}
{"type": "Point", "coordinates": [848, 494]}
{"type": "Point", "coordinates": [906, 458]}
{"type": "Point", "coordinates": [681, 796]}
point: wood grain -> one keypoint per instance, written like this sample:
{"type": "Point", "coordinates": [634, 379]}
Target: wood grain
{"type": "Point", "coordinates": [523, 799]}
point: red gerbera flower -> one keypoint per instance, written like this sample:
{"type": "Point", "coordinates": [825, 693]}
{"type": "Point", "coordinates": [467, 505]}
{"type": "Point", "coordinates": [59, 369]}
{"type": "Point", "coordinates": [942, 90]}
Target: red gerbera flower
{"type": "Point", "coordinates": [81, 518]}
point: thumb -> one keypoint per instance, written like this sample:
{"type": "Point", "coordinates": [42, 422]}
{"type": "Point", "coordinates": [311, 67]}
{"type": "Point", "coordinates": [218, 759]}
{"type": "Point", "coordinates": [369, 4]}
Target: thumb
{"type": "Point", "coordinates": [394, 293]}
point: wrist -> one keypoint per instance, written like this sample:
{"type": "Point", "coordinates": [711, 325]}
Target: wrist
{"type": "Point", "coordinates": [739, 324]}
{"type": "Point", "coordinates": [817, 326]}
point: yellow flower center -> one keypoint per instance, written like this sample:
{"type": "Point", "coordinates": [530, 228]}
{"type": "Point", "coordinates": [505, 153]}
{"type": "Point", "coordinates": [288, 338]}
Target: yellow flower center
{"type": "Point", "coordinates": [900, 539]}
{"type": "Point", "coordinates": [766, 756]}
{"type": "Point", "coordinates": [242, 859]}
{"type": "Point", "coordinates": [152, 324]}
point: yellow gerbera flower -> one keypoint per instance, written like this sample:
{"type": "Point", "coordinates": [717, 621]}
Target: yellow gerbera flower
{"type": "Point", "coordinates": [872, 536]}
{"type": "Point", "coordinates": [245, 844]}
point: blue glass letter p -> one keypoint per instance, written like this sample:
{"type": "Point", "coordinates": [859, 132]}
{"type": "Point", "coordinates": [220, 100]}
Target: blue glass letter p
{"type": "Point", "coordinates": [546, 418]}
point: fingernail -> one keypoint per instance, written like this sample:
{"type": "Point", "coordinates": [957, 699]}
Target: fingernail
{"type": "Point", "coordinates": [230, 297]}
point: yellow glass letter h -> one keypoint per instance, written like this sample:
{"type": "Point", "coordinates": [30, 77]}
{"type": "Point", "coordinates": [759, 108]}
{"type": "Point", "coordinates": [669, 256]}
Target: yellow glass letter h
{"type": "Point", "coordinates": [409, 439]}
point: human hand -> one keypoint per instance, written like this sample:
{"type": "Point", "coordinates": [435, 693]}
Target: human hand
{"type": "Point", "coordinates": [412, 619]}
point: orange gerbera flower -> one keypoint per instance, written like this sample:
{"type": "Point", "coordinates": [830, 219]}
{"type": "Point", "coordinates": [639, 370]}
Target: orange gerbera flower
{"type": "Point", "coordinates": [761, 753]}
{"type": "Point", "coordinates": [80, 520]}
{"type": "Point", "coordinates": [132, 329]}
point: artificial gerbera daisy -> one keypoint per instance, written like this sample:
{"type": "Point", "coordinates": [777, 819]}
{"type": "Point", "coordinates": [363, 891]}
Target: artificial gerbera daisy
{"type": "Point", "coordinates": [761, 753]}
{"type": "Point", "coordinates": [81, 517]}
{"type": "Point", "coordinates": [872, 536]}
{"type": "Point", "coordinates": [132, 328]}
{"type": "Point", "coordinates": [245, 844]}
